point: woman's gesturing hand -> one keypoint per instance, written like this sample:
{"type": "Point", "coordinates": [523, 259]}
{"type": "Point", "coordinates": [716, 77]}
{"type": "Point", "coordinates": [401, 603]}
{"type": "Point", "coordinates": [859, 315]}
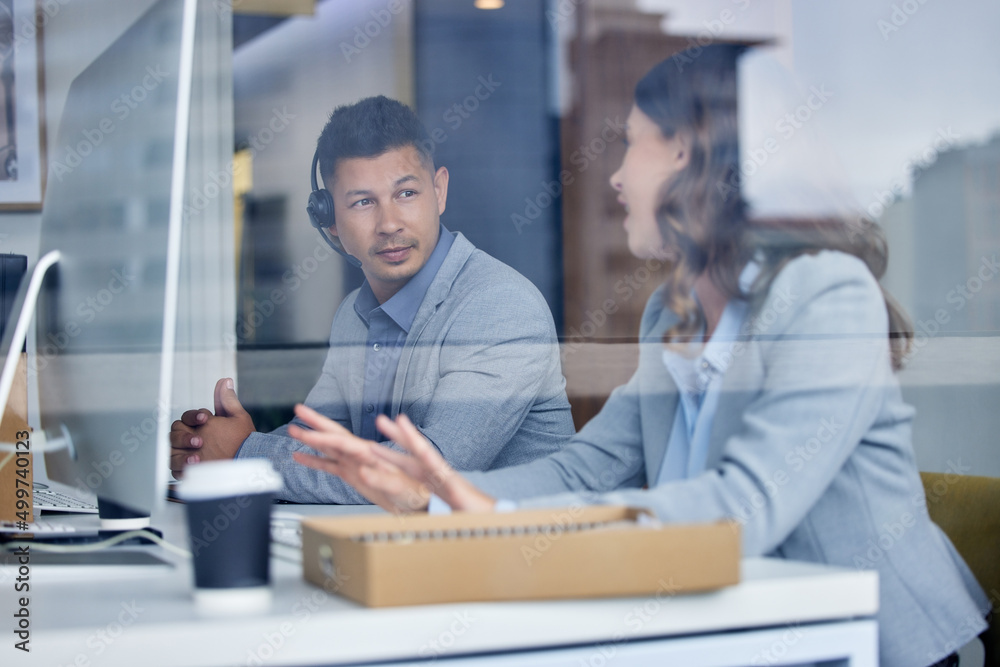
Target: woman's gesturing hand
{"type": "Point", "coordinates": [426, 465]}
{"type": "Point", "coordinates": [352, 459]}
{"type": "Point", "coordinates": [394, 481]}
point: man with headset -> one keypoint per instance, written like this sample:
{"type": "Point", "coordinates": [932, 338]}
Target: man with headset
{"type": "Point", "coordinates": [461, 343]}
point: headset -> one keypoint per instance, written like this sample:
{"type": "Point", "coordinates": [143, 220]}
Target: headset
{"type": "Point", "coordinates": [320, 210]}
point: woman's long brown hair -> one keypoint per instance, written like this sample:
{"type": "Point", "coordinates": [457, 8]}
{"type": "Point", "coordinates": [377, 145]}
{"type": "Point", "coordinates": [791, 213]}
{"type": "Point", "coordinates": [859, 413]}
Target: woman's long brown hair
{"type": "Point", "coordinates": [702, 213]}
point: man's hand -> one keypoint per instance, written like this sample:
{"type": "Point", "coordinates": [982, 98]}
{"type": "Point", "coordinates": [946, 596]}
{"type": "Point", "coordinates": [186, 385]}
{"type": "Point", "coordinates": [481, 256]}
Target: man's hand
{"type": "Point", "coordinates": [392, 480]}
{"type": "Point", "coordinates": [201, 436]}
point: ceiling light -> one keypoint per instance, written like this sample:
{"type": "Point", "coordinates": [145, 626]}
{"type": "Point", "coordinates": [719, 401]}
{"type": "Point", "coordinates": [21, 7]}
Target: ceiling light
{"type": "Point", "coordinates": [489, 4]}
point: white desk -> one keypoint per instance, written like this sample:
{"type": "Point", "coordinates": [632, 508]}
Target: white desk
{"type": "Point", "coordinates": [782, 613]}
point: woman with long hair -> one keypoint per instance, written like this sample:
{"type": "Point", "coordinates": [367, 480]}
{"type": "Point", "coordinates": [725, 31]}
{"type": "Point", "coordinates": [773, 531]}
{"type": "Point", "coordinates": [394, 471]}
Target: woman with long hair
{"type": "Point", "coordinates": [765, 392]}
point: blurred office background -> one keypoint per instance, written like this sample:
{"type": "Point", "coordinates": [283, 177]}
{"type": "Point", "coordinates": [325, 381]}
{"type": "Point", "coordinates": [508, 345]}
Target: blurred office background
{"type": "Point", "coordinates": [891, 108]}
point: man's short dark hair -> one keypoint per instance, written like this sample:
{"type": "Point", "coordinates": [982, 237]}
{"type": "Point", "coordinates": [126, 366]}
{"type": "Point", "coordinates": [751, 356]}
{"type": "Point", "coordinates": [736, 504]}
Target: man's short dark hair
{"type": "Point", "coordinates": [369, 128]}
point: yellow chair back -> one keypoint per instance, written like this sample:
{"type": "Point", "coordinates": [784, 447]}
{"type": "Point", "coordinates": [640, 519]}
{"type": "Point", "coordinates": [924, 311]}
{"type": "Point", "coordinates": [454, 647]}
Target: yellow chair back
{"type": "Point", "coordinates": [967, 508]}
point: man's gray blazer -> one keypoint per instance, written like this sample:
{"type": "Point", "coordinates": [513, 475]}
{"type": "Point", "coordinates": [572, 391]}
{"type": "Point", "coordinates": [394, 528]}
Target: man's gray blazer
{"type": "Point", "coordinates": [809, 451]}
{"type": "Point", "coordinates": [479, 375]}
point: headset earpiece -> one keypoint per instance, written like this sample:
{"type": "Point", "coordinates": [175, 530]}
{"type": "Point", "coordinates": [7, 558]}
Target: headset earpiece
{"type": "Point", "coordinates": [320, 206]}
{"type": "Point", "coordinates": [320, 210]}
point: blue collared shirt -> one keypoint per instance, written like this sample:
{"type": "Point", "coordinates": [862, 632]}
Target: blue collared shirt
{"type": "Point", "coordinates": [699, 383]}
{"type": "Point", "coordinates": [388, 325]}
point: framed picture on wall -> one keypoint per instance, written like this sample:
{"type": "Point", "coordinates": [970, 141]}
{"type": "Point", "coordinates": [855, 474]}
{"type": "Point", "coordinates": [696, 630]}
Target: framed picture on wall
{"type": "Point", "coordinates": [22, 140]}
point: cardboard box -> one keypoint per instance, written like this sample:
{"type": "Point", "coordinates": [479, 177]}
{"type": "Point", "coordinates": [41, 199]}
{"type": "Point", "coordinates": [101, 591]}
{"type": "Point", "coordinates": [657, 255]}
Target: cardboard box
{"type": "Point", "coordinates": [578, 552]}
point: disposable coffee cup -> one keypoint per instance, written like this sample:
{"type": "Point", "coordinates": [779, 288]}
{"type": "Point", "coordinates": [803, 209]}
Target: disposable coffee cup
{"type": "Point", "coordinates": [228, 507]}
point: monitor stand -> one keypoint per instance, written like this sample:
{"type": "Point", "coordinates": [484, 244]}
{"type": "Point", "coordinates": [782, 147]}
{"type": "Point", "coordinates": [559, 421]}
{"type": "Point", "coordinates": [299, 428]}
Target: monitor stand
{"type": "Point", "coordinates": [118, 518]}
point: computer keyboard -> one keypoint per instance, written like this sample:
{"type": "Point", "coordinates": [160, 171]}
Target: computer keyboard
{"type": "Point", "coordinates": [49, 499]}
{"type": "Point", "coordinates": [39, 527]}
{"type": "Point", "coordinates": [287, 532]}
{"type": "Point", "coordinates": [286, 536]}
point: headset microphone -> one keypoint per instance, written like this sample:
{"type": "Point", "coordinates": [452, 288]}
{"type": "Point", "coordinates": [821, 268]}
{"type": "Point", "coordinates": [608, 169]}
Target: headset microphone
{"type": "Point", "coordinates": [320, 210]}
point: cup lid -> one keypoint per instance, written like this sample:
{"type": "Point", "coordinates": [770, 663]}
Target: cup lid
{"type": "Point", "coordinates": [221, 479]}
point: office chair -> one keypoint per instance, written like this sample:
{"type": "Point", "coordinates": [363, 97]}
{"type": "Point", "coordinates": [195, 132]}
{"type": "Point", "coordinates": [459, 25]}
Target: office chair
{"type": "Point", "coordinates": [967, 508]}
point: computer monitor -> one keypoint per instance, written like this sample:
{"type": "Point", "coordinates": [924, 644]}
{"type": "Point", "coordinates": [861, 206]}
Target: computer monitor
{"type": "Point", "coordinates": [106, 315]}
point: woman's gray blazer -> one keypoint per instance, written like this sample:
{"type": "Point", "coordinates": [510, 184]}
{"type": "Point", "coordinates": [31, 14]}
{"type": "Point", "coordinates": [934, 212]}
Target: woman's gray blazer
{"type": "Point", "coordinates": [810, 451]}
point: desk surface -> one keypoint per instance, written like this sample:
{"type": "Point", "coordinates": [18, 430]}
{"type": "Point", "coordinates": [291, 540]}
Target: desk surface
{"type": "Point", "coordinates": [90, 617]}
